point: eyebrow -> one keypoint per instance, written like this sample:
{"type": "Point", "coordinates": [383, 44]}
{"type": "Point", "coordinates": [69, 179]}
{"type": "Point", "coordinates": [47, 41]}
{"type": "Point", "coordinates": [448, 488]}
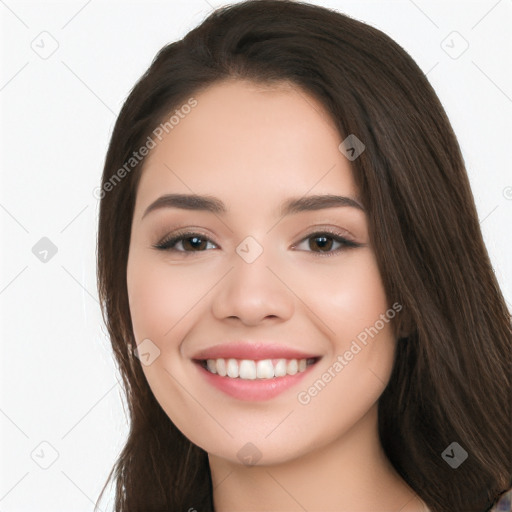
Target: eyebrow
{"type": "Point", "coordinates": [215, 205]}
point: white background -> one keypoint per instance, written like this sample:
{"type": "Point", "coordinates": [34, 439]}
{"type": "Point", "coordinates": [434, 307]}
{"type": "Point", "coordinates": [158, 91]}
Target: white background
{"type": "Point", "coordinates": [58, 382]}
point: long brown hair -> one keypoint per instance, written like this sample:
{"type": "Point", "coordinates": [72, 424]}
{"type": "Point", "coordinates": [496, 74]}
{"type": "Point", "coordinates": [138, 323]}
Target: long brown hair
{"type": "Point", "coordinates": [451, 376]}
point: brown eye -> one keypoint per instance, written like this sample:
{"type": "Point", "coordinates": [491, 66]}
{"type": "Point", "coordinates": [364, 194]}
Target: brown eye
{"type": "Point", "coordinates": [194, 243]}
{"type": "Point", "coordinates": [185, 242]}
{"type": "Point", "coordinates": [322, 243]}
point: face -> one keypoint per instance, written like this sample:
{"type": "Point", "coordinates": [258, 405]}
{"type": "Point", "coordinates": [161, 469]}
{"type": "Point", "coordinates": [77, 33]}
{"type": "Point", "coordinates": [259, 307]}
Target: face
{"type": "Point", "coordinates": [266, 279]}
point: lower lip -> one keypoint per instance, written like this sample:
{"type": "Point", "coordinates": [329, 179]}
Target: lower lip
{"type": "Point", "coordinates": [253, 390]}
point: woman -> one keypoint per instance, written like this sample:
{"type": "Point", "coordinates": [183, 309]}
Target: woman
{"type": "Point", "coordinates": [294, 279]}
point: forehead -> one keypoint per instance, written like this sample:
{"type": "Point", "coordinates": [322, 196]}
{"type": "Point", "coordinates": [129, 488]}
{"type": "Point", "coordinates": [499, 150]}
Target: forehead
{"type": "Point", "coordinates": [245, 141]}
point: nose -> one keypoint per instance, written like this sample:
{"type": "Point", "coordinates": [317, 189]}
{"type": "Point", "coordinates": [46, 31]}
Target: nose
{"type": "Point", "coordinates": [252, 293]}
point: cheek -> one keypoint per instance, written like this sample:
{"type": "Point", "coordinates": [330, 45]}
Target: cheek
{"type": "Point", "coordinates": [360, 299]}
{"type": "Point", "coordinates": [152, 300]}
{"type": "Point", "coordinates": [347, 295]}
{"type": "Point", "coordinates": [161, 295]}
{"type": "Point", "coordinates": [355, 314]}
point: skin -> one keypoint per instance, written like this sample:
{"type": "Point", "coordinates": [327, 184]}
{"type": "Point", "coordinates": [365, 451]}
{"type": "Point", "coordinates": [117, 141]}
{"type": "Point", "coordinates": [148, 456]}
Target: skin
{"type": "Point", "coordinates": [254, 146]}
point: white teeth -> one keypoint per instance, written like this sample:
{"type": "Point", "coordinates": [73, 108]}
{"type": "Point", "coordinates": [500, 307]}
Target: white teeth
{"type": "Point", "coordinates": [212, 367]}
{"type": "Point", "coordinates": [265, 369]}
{"type": "Point", "coordinates": [293, 367]}
{"type": "Point", "coordinates": [221, 367]}
{"type": "Point", "coordinates": [249, 369]}
{"type": "Point", "coordinates": [232, 368]}
{"type": "Point", "coordinates": [280, 368]}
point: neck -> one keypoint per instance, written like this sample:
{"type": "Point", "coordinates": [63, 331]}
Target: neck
{"type": "Point", "coordinates": [350, 473]}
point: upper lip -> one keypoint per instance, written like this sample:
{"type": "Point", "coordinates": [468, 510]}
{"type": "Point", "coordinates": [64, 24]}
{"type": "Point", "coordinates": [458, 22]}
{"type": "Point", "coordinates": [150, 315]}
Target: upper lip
{"type": "Point", "coordinates": [250, 350]}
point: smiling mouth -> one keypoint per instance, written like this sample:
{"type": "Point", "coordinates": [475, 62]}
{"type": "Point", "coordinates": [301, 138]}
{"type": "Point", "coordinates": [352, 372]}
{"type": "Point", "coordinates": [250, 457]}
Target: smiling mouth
{"type": "Point", "coordinates": [251, 369]}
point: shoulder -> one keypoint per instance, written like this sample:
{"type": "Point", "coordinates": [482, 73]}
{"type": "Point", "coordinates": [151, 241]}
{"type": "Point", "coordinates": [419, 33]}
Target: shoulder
{"type": "Point", "coordinates": [504, 504]}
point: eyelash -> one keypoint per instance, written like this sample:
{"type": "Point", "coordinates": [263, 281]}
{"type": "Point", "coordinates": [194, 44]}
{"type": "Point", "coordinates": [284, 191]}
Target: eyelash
{"type": "Point", "coordinates": [167, 244]}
